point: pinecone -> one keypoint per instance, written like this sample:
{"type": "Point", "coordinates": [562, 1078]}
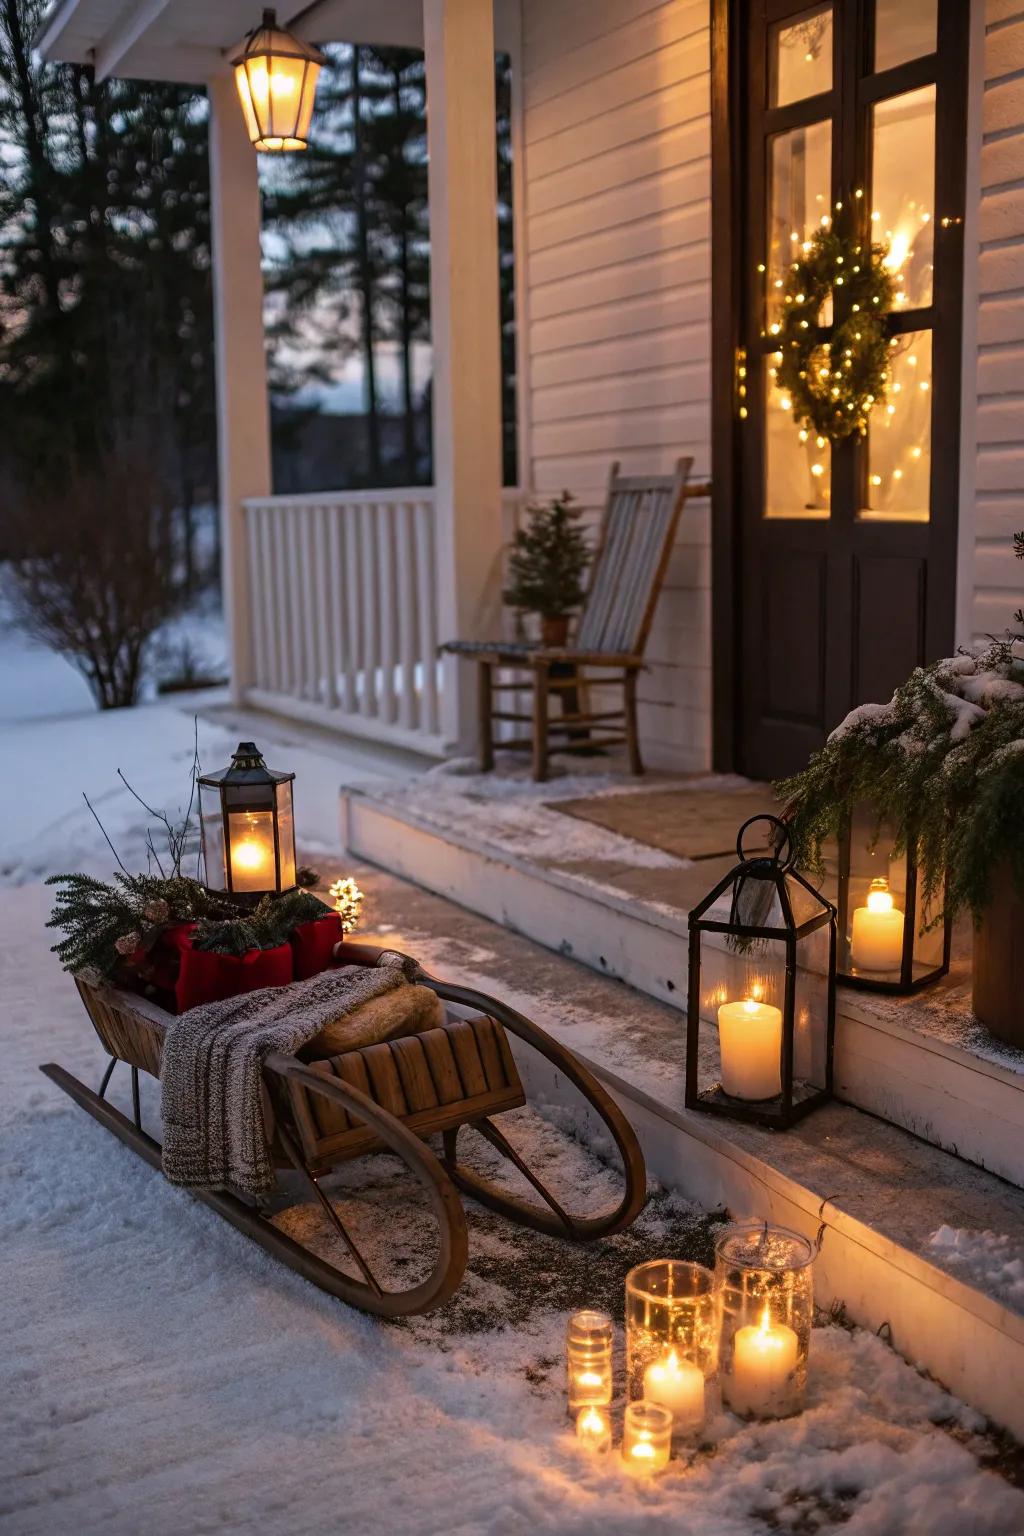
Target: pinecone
{"type": "Point", "coordinates": [128, 943]}
{"type": "Point", "coordinates": [156, 911]}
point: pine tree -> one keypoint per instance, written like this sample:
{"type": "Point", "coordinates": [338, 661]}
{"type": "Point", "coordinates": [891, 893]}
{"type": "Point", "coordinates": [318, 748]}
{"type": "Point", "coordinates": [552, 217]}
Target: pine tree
{"type": "Point", "coordinates": [548, 560]}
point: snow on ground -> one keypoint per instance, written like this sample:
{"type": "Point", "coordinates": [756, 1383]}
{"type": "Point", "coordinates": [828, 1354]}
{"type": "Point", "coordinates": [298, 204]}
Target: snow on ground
{"type": "Point", "coordinates": [161, 1375]}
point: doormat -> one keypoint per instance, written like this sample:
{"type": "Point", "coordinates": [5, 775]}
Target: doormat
{"type": "Point", "coordinates": [689, 823]}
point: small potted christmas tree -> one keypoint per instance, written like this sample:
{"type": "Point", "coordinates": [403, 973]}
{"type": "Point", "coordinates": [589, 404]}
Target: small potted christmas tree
{"type": "Point", "coordinates": [546, 567]}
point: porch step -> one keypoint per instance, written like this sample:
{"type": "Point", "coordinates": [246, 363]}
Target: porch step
{"type": "Point", "coordinates": [921, 1063]}
{"type": "Point", "coordinates": [876, 1194]}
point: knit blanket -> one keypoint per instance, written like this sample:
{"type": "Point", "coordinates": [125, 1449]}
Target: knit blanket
{"type": "Point", "coordinates": [212, 1072]}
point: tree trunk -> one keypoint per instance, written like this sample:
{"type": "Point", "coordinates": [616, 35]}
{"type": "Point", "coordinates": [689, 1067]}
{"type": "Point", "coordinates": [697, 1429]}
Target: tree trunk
{"type": "Point", "coordinates": [365, 271]}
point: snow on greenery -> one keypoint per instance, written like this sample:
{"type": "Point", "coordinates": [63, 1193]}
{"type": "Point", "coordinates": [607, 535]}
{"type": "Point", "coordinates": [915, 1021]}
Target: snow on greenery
{"type": "Point", "coordinates": [942, 762]}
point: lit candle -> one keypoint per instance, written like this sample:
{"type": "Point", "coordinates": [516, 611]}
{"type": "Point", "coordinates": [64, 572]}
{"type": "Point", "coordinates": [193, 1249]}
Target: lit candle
{"type": "Point", "coordinates": [646, 1437]}
{"type": "Point", "coordinates": [594, 1430]}
{"type": "Point", "coordinates": [877, 940]}
{"type": "Point", "coordinates": [589, 1360]}
{"type": "Point", "coordinates": [750, 1040]}
{"type": "Point", "coordinates": [764, 1356]}
{"type": "Point", "coordinates": [251, 849]}
{"type": "Point", "coordinates": [679, 1385]}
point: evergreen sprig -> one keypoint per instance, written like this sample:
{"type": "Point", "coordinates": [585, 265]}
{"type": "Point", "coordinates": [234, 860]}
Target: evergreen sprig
{"type": "Point", "coordinates": [104, 924]}
{"type": "Point", "coordinates": [548, 560]}
{"type": "Point", "coordinates": [942, 763]}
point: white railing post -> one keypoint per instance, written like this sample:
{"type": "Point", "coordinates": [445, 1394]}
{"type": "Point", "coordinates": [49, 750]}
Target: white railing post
{"type": "Point", "coordinates": [243, 420]}
{"type": "Point", "coordinates": [465, 331]}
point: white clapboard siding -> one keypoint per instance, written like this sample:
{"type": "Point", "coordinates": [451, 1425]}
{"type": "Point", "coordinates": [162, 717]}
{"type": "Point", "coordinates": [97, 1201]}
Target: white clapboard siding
{"type": "Point", "coordinates": [617, 212]}
{"type": "Point", "coordinates": [999, 463]}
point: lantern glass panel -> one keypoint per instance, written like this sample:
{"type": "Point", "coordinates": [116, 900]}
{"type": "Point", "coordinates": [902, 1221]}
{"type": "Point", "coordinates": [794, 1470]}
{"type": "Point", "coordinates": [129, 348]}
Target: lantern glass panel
{"type": "Point", "coordinates": [879, 895]}
{"type": "Point", "coordinates": [286, 834]}
{"type": "Point", "coordinates": [213, 837]}
{"type": "Point", "coordinates": [811, 992]}
{"type": "Point", "coordinates": [251, 846]}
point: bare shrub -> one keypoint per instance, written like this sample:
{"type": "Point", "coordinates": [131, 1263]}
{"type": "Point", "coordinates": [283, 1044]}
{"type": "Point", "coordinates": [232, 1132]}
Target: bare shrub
{"type": "Point", "coordinates": [95, 580]}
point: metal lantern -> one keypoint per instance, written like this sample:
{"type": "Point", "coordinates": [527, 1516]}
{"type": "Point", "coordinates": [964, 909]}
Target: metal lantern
{"type": "Point", "coordinates": [763, 970]}
{"type": "Point", "coordinates": [276, 75]}
{"type": "Point", "coordinates": [248, 826]}
{"type": "Point", "coordinates": [890, 938]}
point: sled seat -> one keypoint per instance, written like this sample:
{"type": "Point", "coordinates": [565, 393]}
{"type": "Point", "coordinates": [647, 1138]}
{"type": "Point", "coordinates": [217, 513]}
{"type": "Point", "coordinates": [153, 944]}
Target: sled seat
{"type": "Point", "coordinates": [433, 1081]}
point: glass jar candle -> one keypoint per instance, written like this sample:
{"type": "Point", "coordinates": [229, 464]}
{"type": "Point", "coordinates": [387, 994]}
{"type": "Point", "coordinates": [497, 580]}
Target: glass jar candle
{"type": "Point", "coordinates": [589, 1360]}
{"type": "Point", "coordinates": [594, 1430]}
{"type": "Point", "coordinates": [672, 1338]}
{"type": "Point", "coordinates": [764, 1282]}
{"type": "Point", "coordinates": [646, 1437]}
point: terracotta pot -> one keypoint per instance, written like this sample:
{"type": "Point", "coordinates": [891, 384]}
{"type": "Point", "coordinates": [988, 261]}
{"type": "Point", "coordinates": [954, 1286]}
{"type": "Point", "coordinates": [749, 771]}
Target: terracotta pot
{"type": "Point", "coordinates": [999, 962]}
{"type": "Point", "coordinates": [554, 631]}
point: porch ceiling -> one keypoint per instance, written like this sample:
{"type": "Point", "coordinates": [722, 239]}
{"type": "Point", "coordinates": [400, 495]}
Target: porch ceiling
{"type": "Point", "coordinates": [190, 40]}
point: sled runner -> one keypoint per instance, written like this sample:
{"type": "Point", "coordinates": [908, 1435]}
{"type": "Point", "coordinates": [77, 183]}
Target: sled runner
{"type": "Point", "coordinates": [387, 1097]}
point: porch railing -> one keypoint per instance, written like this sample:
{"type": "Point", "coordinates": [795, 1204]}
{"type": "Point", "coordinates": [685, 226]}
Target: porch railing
{"type": "Point", "coordinates": [344, 611]}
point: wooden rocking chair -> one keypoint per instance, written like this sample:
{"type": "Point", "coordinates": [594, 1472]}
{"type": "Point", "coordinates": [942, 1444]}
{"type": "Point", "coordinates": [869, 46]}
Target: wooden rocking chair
{"type": "Point", "coordinates": [637, 533]}
{"type": "Point", "coordinates": [380, 1098]}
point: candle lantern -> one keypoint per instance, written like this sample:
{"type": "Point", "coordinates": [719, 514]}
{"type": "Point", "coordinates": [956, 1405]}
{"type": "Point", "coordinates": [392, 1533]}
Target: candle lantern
{"type": "Point", "coordinates": [763, 970]}
{"type": "Point", "coordinates": [275, 76]}
{"type": "Point", "coordinates": [763, 1276]}
{"type": "Point", "coordinates": [248, 826]}
{"type": "Point", "coordinates": [646, 1437]}
{"type": "Point", "coordinates": [890, 938]}
{"type": "Point", "coordinates": [672, 1338]}
{"type": "Point", "coordinates": [589, 1360]}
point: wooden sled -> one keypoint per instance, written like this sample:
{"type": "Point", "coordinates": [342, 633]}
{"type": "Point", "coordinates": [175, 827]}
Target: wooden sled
{"type": "Point", "coordinates": [389, 1098]}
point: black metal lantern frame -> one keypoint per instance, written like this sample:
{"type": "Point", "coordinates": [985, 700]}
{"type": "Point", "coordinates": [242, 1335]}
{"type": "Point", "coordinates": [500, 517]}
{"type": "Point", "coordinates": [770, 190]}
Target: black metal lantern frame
{"type": "Point", "coordinates": [769, 969]}
{"type": "Point", "coordinates": [248, 826]}
{"type": "Point", "coordinates": [889, 939]}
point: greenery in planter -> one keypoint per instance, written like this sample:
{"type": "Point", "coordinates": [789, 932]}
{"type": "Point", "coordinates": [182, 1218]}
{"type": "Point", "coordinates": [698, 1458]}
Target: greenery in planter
{"type": "Point", "coordinates": [943, 761]}
{"type": "Point", "coordinates": [549, 560]}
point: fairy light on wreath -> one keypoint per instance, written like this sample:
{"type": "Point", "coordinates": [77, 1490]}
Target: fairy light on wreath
{"type": "Point", "coordinates": [832, 385]}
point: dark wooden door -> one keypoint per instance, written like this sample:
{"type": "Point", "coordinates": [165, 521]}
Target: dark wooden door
{"type": "Point", "coordinates": [846, 566]}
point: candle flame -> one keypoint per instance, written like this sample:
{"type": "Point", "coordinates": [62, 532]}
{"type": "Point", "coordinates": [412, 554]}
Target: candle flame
{"type": "Point", "coordinates": [589, 1379]}
{"type": "Point", "coordinates": [766, 1320]}
{"type": "Point", "coordinates": [591, 1421]}
{"type": "Point", "coordinates": [248, 854]}
{"type": "Point", "coordinates": [643, 1450]}
{"type": "Point", "coordinates": [879, 897]}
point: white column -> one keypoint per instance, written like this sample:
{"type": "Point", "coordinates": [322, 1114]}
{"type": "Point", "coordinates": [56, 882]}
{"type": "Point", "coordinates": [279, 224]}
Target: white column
{"type": "Point", "coordinates": [243, 412]}
{"type": "Point", "coordinates": [465, 321]}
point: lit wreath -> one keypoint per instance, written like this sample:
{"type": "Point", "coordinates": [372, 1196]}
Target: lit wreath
{"type": "Point", "coordinates": [833, 385]}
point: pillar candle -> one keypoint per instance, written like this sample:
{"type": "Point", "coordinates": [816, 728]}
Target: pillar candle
{"type": "Point", "coordinates": [876, 943]}
{"type": "Point", "coordinates": [750, 1040]}
{"type": "Point", "coordinates": [764, 1357]}
{"type": "Point", "coordinates": [677, 1384]}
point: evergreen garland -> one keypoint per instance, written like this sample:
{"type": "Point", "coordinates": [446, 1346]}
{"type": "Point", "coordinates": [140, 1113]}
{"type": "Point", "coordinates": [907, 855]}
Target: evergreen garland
{"type": "Point", "coordinates": [548, 560]}
{"type": "Point", "coordinates": [942, 762]}
{"type": "Point", "coordinates": [834, 384]}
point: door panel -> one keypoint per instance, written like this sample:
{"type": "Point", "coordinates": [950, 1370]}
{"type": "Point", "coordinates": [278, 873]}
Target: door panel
{"type": "Point", "coordinates": [846, 568]}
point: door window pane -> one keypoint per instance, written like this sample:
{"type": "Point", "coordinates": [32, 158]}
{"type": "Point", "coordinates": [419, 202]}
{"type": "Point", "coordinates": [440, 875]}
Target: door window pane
{"type": "Point", "coordinates": [798, 463]}
{"type": "Point", "coordinates": [904, 29]}
{"type": "Point", "coordinates": [903, 191]}
{"type": "Point", "coordinates": [800, 54]}
{"type": "Point", "coordinates": [900, 437]}
{"type": "Point", "coordinates": [799, 199]}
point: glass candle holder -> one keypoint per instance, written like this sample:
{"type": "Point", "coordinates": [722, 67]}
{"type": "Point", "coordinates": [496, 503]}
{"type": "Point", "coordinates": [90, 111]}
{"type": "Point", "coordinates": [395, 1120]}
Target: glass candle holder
{"type": "Point", "coordinates": [589, 1360]}
{"type": "Point", "coordinates": [647, 1437]}
{"type": "Point", "coordinates": [764, 1282]}
{"type": "Point", "coordinates": [594, 1430]}
{"type": "Point", "coordinates": [672, 1338]}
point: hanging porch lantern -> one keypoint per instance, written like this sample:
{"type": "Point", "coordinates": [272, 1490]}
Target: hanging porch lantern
{"type": "Point", "coordinates": [248, 826]}
{"type": "Point", "coordinates": [890, 938]}
{"type": "Point", "coordinates": [276, 75]}
{"type": "Point", "coordinates": [763, 969]}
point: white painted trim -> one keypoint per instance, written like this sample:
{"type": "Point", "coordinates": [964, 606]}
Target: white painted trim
{"type": "Point", "coordinates": [53, 26]}
{"type": "Point", "coordinates": [122, 37]}
{"type": "Point", "coordinates": [965, 543]}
